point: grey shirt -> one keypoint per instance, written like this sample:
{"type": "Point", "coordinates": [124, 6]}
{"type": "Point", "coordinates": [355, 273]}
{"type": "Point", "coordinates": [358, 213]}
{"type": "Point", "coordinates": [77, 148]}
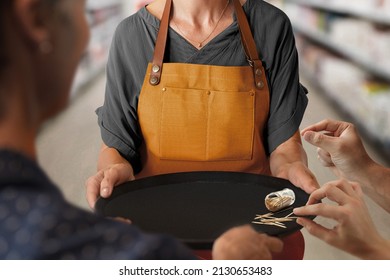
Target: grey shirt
{"type": "Point", "coordinates": [132, 48]}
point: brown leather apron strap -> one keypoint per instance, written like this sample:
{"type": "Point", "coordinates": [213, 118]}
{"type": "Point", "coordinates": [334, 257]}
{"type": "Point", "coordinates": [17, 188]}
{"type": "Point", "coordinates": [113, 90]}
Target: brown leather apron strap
{"type": "Point", "coordinates": [249, 44]}
{"type": "Point", "coordinates": [246, 38]}
{"type": "Point", "coordinates": [161, 42]}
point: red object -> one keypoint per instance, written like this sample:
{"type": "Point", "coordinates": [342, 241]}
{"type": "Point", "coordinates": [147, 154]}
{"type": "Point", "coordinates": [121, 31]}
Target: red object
{"type": "Point", "coordinates": [293, 249]}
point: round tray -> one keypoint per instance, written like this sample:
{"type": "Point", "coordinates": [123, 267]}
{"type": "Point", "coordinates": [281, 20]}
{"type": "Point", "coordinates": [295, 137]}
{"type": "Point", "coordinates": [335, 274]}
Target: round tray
{"type": "Point", "coordinates": [197, 207]}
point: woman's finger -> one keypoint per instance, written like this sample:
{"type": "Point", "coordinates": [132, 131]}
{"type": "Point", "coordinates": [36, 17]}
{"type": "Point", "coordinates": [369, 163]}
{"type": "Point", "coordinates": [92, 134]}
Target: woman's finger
{"type": "Point", "coordinates": [324, 157]}
{"type": "Point", "coordinates": [109, 181]}
{"type": "Point", "coordinates": [320, 209]}
{"type": "Point", "coordinates": [315, 229]}
{"type": "Point", "coordinates": [93, 188]}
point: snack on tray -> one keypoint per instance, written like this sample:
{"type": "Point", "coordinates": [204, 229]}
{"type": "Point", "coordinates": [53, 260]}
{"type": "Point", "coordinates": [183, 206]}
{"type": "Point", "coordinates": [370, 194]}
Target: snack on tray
{"type": "Point", "coordinates": [276, 201]}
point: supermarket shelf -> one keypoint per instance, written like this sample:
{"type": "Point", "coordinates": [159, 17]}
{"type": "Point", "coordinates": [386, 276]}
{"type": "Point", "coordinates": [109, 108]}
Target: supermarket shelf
{"type": "Point", "coordinates": [102, 4]}
{"type": "Point", "coordinates": [374, 15]}
{"type": "Point", "coordinates": [355, 111]}
{"type": "Point", "coordinates": [83, 78]}
{"type": "Point", "coordinates": [103, 17]}
{"type": "Point", "coordinates": [370, 135]}
{"type": "Point", "coordinates": [353, 55]}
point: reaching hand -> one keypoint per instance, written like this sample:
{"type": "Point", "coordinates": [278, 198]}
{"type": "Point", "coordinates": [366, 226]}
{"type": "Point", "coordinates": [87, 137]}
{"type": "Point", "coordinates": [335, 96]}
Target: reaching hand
{"type": "Point", "coordinates": [355, 232]}
{"type": "Point", "coordinates": [339, 147]}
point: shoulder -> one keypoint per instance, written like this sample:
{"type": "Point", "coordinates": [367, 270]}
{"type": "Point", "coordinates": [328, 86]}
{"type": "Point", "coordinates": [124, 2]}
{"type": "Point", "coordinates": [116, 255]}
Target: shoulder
{"type": "Point", "coordinates": [129, 26]}
{"type": "Point", "coordinates": [136, 25]}
{"type": "Point", "coordinates": [263, 12]}
{"type": "Point", "coordinates": [271, 28]}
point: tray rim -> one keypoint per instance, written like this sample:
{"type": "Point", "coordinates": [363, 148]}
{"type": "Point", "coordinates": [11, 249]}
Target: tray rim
{"type": "Point", "coordinates": [190, 177]}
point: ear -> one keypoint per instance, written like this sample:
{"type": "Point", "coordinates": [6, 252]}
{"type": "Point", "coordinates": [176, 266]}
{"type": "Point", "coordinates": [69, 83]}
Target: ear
{"type": "Point", "coordinates": [32, 19]}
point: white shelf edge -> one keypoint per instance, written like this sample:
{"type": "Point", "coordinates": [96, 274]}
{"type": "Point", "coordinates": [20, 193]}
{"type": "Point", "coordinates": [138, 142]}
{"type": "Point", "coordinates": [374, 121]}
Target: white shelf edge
{"type": "Point", "coordinates": [372, 15]}
{"type": "Point", "coordinates": [356, 57]}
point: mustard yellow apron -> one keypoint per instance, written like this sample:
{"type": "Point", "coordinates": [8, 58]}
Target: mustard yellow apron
{"type": "Point", "coordinates": [202, 117]}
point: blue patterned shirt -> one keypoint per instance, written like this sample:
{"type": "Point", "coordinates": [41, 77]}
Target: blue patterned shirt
{"type": "Point", "coordinates": [37, 223]}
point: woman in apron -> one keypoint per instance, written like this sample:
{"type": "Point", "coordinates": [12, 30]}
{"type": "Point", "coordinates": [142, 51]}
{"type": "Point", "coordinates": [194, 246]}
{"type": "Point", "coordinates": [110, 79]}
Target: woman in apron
{"type": "Point", "coordinates": [221, 93]}
{"type": "Point", "coordinates": [42, 43]}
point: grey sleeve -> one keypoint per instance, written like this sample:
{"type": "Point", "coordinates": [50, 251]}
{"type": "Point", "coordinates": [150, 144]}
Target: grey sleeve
{"type": "Point", "coordinates": [117, 117]}
{"type": "Point", "coordinates": [288, 96]}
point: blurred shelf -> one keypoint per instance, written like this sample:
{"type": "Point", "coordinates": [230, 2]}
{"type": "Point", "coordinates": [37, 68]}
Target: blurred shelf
{"type": "Point", "coordinates": [348, 112]}
{"type": "Point", "coordinates": [357, 57]}
{"type": "Point", "coordinates": [346, 7]}
{"type": "Point", "coordinates": [103, 17]}
{"type": "Point", "coordinates": [313, 19]}
{"type": "Point", "coordinates": [102, 4]}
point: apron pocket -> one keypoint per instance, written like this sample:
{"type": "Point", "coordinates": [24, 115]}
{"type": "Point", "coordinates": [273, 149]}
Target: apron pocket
{"type": "Point", "coordinates": [183, 129]}
{"type": "Point", "coordinates": [201, 125]}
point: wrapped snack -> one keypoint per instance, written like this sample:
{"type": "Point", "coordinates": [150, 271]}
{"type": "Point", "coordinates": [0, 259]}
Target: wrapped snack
{"type": "Point", "coordinates": [276, 201]}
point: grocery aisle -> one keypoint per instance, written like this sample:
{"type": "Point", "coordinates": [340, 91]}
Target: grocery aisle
{"type": "Point", "coordinates": [344, 51]}
{"type": "Point", "coordinates": [68, 146]}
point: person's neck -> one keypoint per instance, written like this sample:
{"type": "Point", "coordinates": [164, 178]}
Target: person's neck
{"type": "Point", "coordinates": [14, 139]}
{"type": "Point", "coordinates": [18, 125]}
{"type": "Point", "coordinates": [199, 12]}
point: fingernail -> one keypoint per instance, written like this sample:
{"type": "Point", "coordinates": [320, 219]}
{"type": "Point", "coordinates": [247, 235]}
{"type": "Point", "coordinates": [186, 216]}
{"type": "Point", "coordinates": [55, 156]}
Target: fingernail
{"type": "Point", "coordinates": [307, 136]}
{"type": "Point", "coordinates": [104, 191]}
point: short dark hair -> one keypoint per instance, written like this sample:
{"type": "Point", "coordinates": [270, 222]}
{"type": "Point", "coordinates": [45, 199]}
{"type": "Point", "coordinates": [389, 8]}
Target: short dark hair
{"type": "Point", "coordinates": [5, 5]}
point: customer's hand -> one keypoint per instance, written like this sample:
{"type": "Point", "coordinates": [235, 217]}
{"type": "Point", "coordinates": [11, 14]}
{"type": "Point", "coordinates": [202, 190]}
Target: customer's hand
{"type": "Point", "coordinates": [104, 181]}
{"type": "Point", "coordinates": [354, 232]}
{"type": "Point", "coordinates": [244, 243]}
{"type": "Point", "coordinates": [340, 148]}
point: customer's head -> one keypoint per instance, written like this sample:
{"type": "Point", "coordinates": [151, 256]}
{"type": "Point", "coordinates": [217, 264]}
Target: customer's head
{"type": "Point", "coordinates": [41, 43]}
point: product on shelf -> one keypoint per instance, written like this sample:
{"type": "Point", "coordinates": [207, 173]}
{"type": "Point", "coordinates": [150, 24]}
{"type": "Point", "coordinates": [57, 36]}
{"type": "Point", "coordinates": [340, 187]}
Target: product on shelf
{"type": "Point", "coordinates": [344, 50]}
{"type": "Point", "coordinates": [360, 95]}
{"type": "Point", "coordinates": [103, 17]}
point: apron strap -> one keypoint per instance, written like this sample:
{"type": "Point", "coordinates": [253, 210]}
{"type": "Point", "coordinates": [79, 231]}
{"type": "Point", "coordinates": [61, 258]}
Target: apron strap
{"type": "Point", "coordinates": [249, 45]}
{"type": "Point", "coordinates": [161, 42]}
{"type": "Point", "coordinates": [246, 38]}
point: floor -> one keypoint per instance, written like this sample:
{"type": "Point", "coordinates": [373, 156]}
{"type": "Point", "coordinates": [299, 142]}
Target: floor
{"type": "Point", "coordinates": [68, 147]}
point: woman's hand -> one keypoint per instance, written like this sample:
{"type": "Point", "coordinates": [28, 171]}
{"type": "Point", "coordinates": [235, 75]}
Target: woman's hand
{"type": "Point", "coordinates": [354, 232]}
{"type": "Point", "coordinates": [299, 175]}
{"type": "Point", "coordinates": [104, 181]}
{"type": "Point", "coordinates": [244, 243]}
{"type": "Point", "coordinates": [289, 161]}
